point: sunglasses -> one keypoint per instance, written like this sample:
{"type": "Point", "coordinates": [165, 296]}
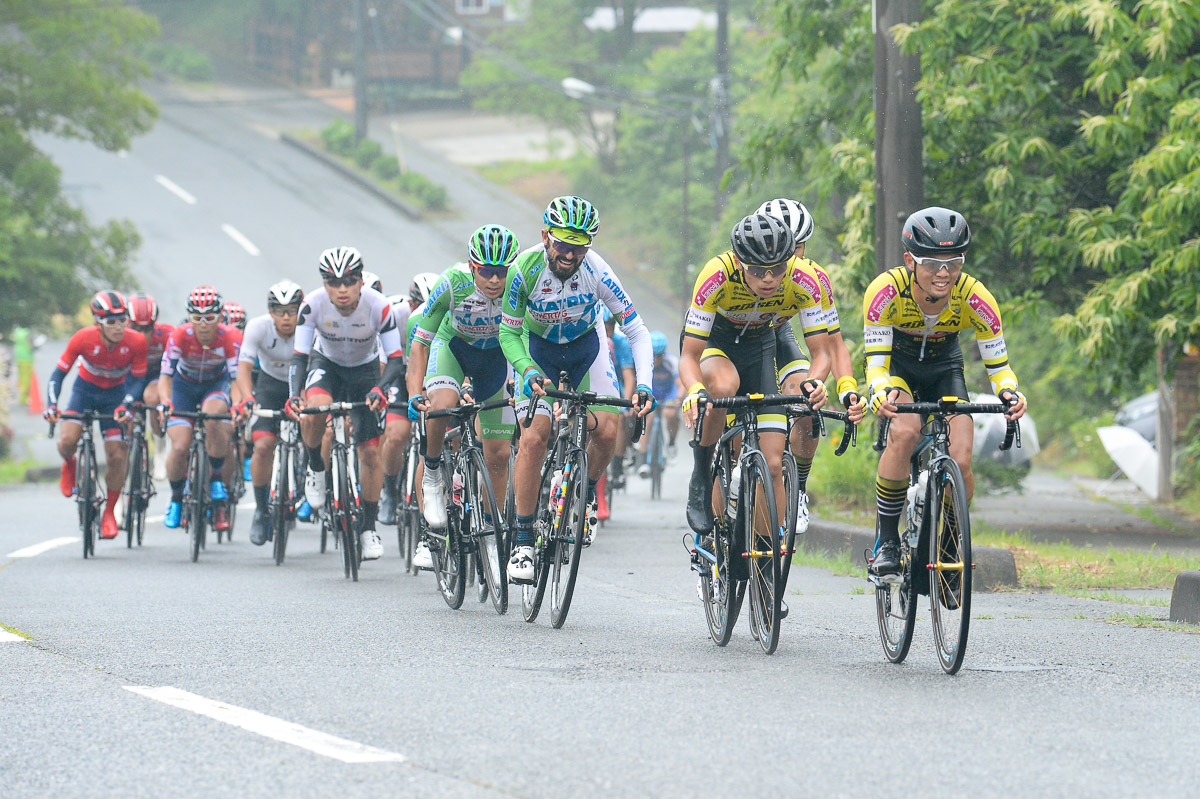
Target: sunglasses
{"type": "Point", "coordinates": [489, 272]}
{"type": "Point", "coordinates": [114, 321]}
{"type": "Point", "coordinates": [142, 328]}
{"type": "Point", "coordinates": [578, 250]}
{"type": "Point", "coordinates": [285, 310]}
{"type": "Point", "coordinates": [764, 272]}
{"type": "Point", "coordinates": [935, 265]}
{"type": "Point", "coordinates": [348, 280]}
{"type": "Point", "coordinates": [204, 318]}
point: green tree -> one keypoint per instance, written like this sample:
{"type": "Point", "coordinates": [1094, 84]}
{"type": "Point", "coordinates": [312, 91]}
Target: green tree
{"type": "Point", "coordinates": [67, 69]}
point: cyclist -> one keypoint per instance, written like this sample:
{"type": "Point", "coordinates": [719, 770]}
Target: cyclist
{"type": "Point", "coordinates": [740, 298]}
{"type": "Point", "coordinates": [143, 318]}
{"type": "Point", "coordinates": [554, 295]}
{"type": "Point", "coordinates": [458, 338]}
{"type": "Point", "coordinates": [338, 335]}
{"type": "Point", "coordinates": [110, 377]}
{"type": "Point", "coordinates": [794, 368]}
{"type": "Point", "coordinates": [622, 358]}
{"type": "Point", "coordinates": [912, 316]}
{"type": "Point", "coordinates": [262, 380]}
{"type": "Point", "coordinates": [371, 280]}
{"type": "Point", "coordinates": [397, 427]}
{"type": "Point", "coordinates": [198, 368]}
{"type": "Point", "coordinates": [234, 315]}
{"type": "Point", "coordinates": [666, 390]}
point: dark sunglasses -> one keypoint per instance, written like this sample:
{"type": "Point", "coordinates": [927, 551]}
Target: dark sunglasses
{"type": "Point", "coordinates": [142, 328]}
{"type": "Point", "coordinates": [348, 280]}
{"type": "Point", "coordinates": [489, 272]}
{"type": "Point", "coordinates": [764, 272]}
{"type": "Point", "coordinates": [578, 250]}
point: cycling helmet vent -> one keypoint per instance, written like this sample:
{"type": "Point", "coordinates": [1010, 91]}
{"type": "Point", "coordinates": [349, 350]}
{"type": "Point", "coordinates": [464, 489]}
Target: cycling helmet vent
{"type": "Point", "coordinates": [337, 262]}
{"type": "Point", "coordinates": [761, 240]}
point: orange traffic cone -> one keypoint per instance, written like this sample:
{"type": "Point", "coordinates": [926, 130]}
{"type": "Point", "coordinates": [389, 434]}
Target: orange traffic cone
{"type": "Point", "coordinates": [35, 395]}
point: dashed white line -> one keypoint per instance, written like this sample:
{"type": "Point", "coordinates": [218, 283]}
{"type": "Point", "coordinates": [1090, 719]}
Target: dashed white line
{"type": "Point", "coordinates": [7, 637]}
{"type": "Point", "coordinates": [270, 727]}
{"type": "Point", "coordinates": [237, 236]}
{"type": "Point", "coordinates": [45, 546]}
{"type": "Point", "coordinates": [173, 187]}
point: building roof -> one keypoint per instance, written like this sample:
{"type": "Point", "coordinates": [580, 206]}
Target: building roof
{"type": "Point", "coordinates": [678, 19]}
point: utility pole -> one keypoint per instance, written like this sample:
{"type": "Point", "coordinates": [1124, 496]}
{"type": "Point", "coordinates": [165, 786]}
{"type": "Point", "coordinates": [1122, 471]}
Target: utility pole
{"type": "Point", "coordinates": [360, 71]}
{"type": "Point", "coordinates": [899, 176]}
{"type": "Point", "coordinates": [720, 88]}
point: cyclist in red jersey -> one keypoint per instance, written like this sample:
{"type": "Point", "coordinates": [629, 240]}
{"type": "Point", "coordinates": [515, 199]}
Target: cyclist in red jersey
{"type": "Point", "coordinates": [111, 375]}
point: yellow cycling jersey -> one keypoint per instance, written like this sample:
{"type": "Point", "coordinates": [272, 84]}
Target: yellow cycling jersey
{"type": "Point", "coordinates": [721, 290]}
{"type": "Point", "coordinates": [889, 307]}
{"type": "Point", "coordinates": [832, 323]}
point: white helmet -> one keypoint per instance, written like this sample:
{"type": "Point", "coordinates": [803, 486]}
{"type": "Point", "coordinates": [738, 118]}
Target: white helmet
{"type": "Point", "coordinates": [285, 292]}
{"type": "Point", "coordinates": [371, 280]}
{"type": "Point", "coordinates": [339, 262]}
{"type": "Point", "coordinates": [791, 213]}
{"type": "Point", "coordinates": [422, 286]}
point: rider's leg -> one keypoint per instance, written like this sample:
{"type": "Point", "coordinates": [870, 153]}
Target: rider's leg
{"type": "Point", "coordinates": [69, 432]}
{"type": "Point", "coordinates": [219, 434]}
{"type": "Point", "coordinates": [721, 379]}
{"type": "Point", "coordinates": [962, 442]}
{"type": "Point", "coordinates": [891, 483]}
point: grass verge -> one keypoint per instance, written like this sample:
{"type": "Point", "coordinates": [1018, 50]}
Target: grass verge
{"type": "Point", "coordinates": [1142, 620]}
{"type": "Point", "coordinates": [14, 471]}
{"type": "Point", "coordinates": [838, 564]}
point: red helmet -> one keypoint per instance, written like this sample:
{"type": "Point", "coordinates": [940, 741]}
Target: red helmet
{"type": "Point", "coordinates": [235, 315]}
{"type": "Point", "coordinates": [205, 299]}
{"type": "Point", "coordinates": [109, 304]}
{"type": "Point", "coordinates": [143, 310]}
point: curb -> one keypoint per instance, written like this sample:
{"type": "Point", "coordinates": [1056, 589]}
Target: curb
{"type": "Point", "coordinates": [1185, 598]}
{"type": "Point", "coordinates": [352, 175]}
{"type": "Point", "coordinates": [994, 568]}
{"type": "Point", "coordinates": [42, 474]}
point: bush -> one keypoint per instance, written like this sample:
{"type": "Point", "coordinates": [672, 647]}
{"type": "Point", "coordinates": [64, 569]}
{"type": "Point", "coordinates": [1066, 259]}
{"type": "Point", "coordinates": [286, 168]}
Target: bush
{"type": "Point", "coordinates": [846, 482]}
{"type": "Point", "coordinates": [180, 60]}
{"type": "Point", "coordinates": [338, 137]}
{"type": "Point", "coordinates": [367, 153]}
{"type": "Point", "coordinates": [428, 193]}
{"type": "Point", "coordinates": [387, 168]}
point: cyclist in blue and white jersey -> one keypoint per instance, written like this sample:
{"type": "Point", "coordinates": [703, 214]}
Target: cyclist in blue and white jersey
{"type": "Point", "coordinates": [667, 390]}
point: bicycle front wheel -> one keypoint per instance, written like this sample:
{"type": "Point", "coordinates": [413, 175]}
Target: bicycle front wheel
{"type": "Point", "coordinates": [450, 562]}
{"type": "Point", "coordinates": [277, 506]}
{"type": "Point", "coordinates": [791, 491]}
{"type": "Point", "coordinates": [533, 593]}
{"type": "Point", "coordinates": [896, 605]}
{"type": "Point", "coordinates": [197, 507]}
{"type": "Point", "coordinates": [568, 531]}
{"type": "Point", "coordinates": [347, 529]}
{"type": "Point", "coordinates": [85, 491]}
{"type": "Point", "coordinates": [762, 540]}
{"type": "Point", "coordinates": [950, 566]}
{"type": "Point", "coordinates": [487, 526]}
{"type": "Point", "coordinates": [145, 490]}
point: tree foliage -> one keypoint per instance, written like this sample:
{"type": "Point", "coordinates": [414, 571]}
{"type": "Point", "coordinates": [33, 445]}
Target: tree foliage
{"type": "Point", "coordinates": [67, 69]}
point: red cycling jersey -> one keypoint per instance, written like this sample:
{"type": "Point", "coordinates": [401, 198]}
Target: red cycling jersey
{"type": "Point", "coordinates": [104, 366]}
{"type": "Point", "coordinates": [191, 360]}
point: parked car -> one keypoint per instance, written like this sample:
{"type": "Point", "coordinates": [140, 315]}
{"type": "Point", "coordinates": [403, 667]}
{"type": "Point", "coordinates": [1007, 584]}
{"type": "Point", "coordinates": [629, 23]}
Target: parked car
{"type": "Point", "coordinates": [989, 433]}
{"type": "Point", "coordinates": [1141, 414]}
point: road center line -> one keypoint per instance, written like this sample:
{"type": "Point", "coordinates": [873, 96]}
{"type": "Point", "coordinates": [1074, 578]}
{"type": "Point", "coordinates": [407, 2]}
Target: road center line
{"type": "Point", "coordinates": [270, 727]}
{"type": "Point", "coordinates": [45, 546]}
{"type": "Point", "coordinates": [237, 236]}
{"type": "Point", "coordinates": [173, 187]}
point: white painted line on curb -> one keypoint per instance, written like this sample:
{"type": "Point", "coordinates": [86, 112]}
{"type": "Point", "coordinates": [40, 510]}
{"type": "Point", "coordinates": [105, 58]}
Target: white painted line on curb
{"type": "Point", "coordinates": [45, 546]}
{"type": "Point", "coordinates": [270, 727]}
{"type": "Point", "coordinates": [6, 636]}
{"type": "Point", "coordinates": [173, 187]}
{"type": "Point", "coordinates": [237, 236]}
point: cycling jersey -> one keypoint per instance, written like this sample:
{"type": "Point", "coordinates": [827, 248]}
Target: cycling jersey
{"type": "Point", "coordinates": [263, 346]}
{"type": "Point", "coordinates": [721, 291]}
{"type": "Point", "coordinates": [893, 319]}
{"type": "Point", "coordinates": [102, 365]}
{"type": "Point", "coordinates": [156, 347]}
{"type": "Point", "coordinates": [187, 358]}
{"type": "Point", "coordinates": [563, 311]}
{"type": "Point", "coordinates": [347, 340]}
{"type": "Point", "coordinates": [458, 309]}
{"type": "Point", "coordinates": [666, 373]}
{"type": "Point", "coordinates": [410, 329]}
{"type": "Point", "coordinates": [622, 353]}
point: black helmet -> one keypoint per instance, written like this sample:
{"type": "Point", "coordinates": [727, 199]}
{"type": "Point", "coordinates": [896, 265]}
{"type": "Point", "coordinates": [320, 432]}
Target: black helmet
{"type": "Point", "coordinates": [936, 231]}
{"type": "Point", "coordinates": [762, 240]}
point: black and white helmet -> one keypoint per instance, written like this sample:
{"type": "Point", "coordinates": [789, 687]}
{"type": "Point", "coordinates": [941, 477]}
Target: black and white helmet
{"type": "Point", "coordinates": [793, 214]}
{"type": "Point", "coordinates": [371, 280]}
{"type": "Point", "coordinates": [285, 292]}
{"type": "Point", "coordinates": [761, 240]}
{"type": "Point", "coordinates": [422, 286]}
{"type": "Point", "coordinates": [340, 262]}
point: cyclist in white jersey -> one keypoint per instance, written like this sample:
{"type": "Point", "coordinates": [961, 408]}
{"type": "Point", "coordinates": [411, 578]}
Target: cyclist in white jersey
{"type": "Point", "coordinates": [263, 364]}
{"type": "Point", "coordinates": [338, 336]}
{"type": "Point", "coordinates": [554, 295]}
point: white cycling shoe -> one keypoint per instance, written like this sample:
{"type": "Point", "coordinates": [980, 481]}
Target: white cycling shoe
{"type": "Point", "coordinates": [372, 545]}
{"type": "Point", "coordinates": [520, 565]}
{"type": "Point", "coordinates": [433, 498]}
{"type": "Point", "coordinates": [421, 557]}
{"type": "Point", "coordinates": [802, 514]}
{"type": "Point", "coordinates": [314, 488]}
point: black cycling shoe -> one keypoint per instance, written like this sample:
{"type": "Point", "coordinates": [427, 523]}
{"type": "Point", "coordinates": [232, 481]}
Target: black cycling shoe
{"type": "Point", "coordinates": [387, 502]}
{"type": "Point", "coordinates": [260, 528]}
{"type": "Point", "coordinates": [887, 559]}
{"type": "Point", "coordinates": [699, 506]}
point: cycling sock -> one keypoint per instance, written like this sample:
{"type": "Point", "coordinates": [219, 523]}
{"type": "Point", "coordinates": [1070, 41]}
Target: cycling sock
{"type": "Point", "coordinates": [370, 511]}
{"type": "Point", "coordinates": [803, 467]}
{"type": "Point", "coordinates": [592, 489]}
{"type": "Point", "coordinates": [177, 490]}
{"type": "Point", "coordinates": [433, 464]}
{"type": "Point", "coordinates": [391, 482]}
{"type": "Point", "coordinates": [113, 496]}
{"type": "Point", "coordinates": [217, 465]}
{"type": "Point", "coordinates": [525, 536]}
{"type": "Point", "coordinates": [889, 500]}
{"type": "Point", "coordinates": [315, 462]}
{"type": "Point", "coordinates": [261, 496]}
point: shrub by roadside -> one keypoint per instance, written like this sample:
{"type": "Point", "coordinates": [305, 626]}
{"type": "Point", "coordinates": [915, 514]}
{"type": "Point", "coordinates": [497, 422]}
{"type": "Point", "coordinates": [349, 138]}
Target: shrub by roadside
{"type": "Point", "coordinates": [367, 156]}
{"type": "Point", "coordinates": [179, 60]}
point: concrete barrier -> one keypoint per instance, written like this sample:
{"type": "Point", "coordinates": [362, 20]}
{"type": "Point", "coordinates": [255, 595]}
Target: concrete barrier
{"type": "Point", "coordinates": [994, 568]}
{"type": "Point", "coordinates": [1185, 598]}
{"type": "Point", "coordinates": [335, 164]}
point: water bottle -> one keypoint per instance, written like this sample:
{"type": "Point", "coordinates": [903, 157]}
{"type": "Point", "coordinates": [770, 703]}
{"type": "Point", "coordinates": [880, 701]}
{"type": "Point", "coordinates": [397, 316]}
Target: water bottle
{"type": "Point", "coordinates": [555, 482]}
{"type": "Point", "coordinates": [458, 489]}
{"type": "Point", "coordinates": [916, 499]}
{"type": "Point", "coordinates": [735, 486]}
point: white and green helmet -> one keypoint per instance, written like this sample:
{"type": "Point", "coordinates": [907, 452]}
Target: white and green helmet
{"type": "Point", "coordinates": [572, 213]}
{"type": "Point", "coordinates": [493, 245]}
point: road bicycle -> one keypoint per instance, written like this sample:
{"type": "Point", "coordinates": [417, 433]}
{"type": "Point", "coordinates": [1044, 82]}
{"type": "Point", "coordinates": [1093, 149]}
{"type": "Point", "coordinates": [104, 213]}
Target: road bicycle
{"type": "Point", "coordinates": [343, 512]}
{"type": "Point", "coordinates": [474, 543]}
{"type": "Point", "coordinates": [236, 487]}
{"type": "Point", "coordinates": [935, 546]}
{"type": "Point", "coordinates": [287, 481]}
{"type": "Point", "coordinates": [139, 487]}
{"type": "Point", "coordinates": [656, 454]}
{"type": "Point", "coordinates": [198, 505]}
{"type": "Point", "coordinates": [409, 521]}
{"type": "Point", "coordinates": [89, 497]}
{"type": "Point", "coordinates": [561, 524]}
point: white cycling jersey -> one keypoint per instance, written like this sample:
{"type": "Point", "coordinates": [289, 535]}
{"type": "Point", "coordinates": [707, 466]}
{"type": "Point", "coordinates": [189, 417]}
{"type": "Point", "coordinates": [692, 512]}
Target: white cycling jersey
{"type": "Point", "coordinates": [261, 344]}
{"type": "Point", "coordinates": [347, 340]}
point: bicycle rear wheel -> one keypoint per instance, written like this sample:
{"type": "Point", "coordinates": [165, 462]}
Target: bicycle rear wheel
{"type": "Point", "coordinates": [896, 604]}
{"type": "Point", "coordinates": [762, 540]}
{"type": "Point", "coordinates": [950, 561]}
{"type": "Point", "coordinates": [791, 491]}
{"type": "Point", "coordinates": [487, 527]}
{"type": "Point", "coordinates": [85, 490]}
{"type": "Point", "coordinates": [564, 567]}
{"type": "Point", "coordinates": [145, 490]}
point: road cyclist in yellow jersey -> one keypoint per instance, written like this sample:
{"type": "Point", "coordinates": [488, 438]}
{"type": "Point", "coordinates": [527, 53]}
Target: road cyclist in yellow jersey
{"type": "Point", "coordinates": [912, 316]}
{"type": "Point", "coordinates": [794, 368]}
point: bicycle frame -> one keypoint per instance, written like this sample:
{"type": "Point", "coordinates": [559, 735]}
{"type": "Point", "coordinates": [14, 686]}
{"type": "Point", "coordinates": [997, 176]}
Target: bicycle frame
{"type": "Point", "coordinates": [88, 500]}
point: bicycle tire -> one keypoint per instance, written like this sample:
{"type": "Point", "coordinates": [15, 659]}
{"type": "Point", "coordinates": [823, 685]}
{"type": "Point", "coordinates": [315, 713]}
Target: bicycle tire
{"type": "Point", "coordinates": [145, 491]}
{"type": "Point", "coordinates": [722, 605]}
{"type": "Point", "coordinates": [277, 505]}
{"type": "Point", "coordinates": [949, 555]}
{"type": "Point", "coordinates": [658, 457]}
{"type": "Point", "coordinates": [343, 508]}
{"type": "Point", "coordinates": [130, 491]}
{"type": "Point", "coordinates": [896, 604]}
{"type": "Point", "coordinates": [533, 594]}
{"type": "Point", "coordinates": [449, 563]}
{"type": "Point", "coordinates": [480, 500]}
{"type": "Point", "coordinates": [564, 569]}
{"type": "Point", "coordinates": [758, 510]}
{"type": "Point", "coordinates": [791, 491]}
{"type": "Point", "coordinates": [85, 468]}
{"type": "Point", "coordinates": [197, 512]}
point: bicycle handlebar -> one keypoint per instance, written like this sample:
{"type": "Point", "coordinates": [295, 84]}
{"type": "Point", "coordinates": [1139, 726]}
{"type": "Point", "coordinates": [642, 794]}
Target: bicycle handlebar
{"type": "Point", "coordinates": [337, 408]}
{"type": "Point", "coordinates": [797, 405]}
{"type": "Point", "coordinates": [83, 417]}
{"type": "Point", "coordinates": [588, 397]}
{"type": "Point", "coordinates": [945, 407]}
{"type": "Point", "coordinates": [201, 416]}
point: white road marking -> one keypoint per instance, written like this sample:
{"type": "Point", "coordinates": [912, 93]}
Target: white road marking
{"type": "Point", "coordinates": [6, 636]}
{"type": "Point", "coordinates": [237, 236]}
{"type": "Point", "coordinates": [45, 546]}
{"type": "Point", "coordinates": [263, 130]}
{"type": "Point", "coordinates": [172, 187]}
{"type": "Point", "coordinates": [270, 727]}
